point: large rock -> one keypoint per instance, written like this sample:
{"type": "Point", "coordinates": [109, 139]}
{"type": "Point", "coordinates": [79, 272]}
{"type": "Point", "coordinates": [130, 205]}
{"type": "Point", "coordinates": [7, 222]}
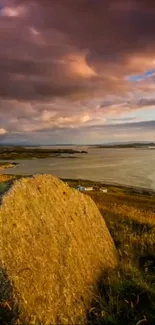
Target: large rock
{"type": "Point", "coordinates": [54, 246]}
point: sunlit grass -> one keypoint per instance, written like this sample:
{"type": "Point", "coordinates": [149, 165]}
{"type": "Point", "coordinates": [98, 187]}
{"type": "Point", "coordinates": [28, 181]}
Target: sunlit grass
{"type": "Point", "coordinates": [127, 296]}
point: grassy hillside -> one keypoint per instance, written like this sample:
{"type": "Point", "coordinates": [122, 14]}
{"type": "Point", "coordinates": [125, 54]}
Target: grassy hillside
{"type": "Point", "coordinates": [127, 295]}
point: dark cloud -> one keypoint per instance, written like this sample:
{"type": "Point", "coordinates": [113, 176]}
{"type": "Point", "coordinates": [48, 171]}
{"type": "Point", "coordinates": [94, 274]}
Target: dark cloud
{"type": "Point", "coordinates": [146, 102]}
{"type": "Point", "coordinates": [108, 30]}
{"type": "Point", "coordinates": [149, 125]}
{"type": "Point", "coordinates": [79, 51]}
{"type": "Point", "coordinates": [103, 26]}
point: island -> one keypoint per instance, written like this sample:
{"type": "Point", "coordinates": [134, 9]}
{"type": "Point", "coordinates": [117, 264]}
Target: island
{"type": "Point", "coordinates": [14, 153]}
{"type": "Point", "coordinates": [5, 165]}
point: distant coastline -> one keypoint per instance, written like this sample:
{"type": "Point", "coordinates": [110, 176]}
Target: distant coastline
{"type": "Point", "coordinates": [137, 145]}
{"type": "Point", "coordinates": [14, 153]}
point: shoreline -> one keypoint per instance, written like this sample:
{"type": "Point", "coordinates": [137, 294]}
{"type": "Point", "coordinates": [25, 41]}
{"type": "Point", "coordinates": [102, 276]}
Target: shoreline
{"type": "Point", "coordinates": [8, 165]}
{"type": "Point", "coordinates": [135, 189]}
{"type": "Point", "coordinates": [111, 186]}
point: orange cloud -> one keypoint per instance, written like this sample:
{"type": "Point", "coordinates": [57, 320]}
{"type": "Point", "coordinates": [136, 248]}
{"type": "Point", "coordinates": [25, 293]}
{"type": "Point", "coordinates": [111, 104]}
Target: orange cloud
{"type": "Point", "coordinates": [2, 131]}
{"type": "Point", "coordinates": [78, 65]}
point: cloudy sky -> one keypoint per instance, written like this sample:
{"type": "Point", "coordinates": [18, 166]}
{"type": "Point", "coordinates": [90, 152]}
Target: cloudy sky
{"type": "Point", "coordinates": [77, 71]}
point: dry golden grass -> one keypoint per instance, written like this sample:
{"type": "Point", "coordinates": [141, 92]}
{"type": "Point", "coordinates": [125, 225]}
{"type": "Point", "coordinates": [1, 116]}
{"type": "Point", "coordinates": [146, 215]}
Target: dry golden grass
{"type": "Point", "coordinates": [54, 246]}
{"type": "Point", "coordinates": [5, 178]}
{"type": "Point", "coordinates": [127, 296]}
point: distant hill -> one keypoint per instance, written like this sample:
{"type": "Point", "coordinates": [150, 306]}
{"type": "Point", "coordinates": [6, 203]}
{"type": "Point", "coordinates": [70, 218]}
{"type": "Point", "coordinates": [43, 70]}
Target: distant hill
{"type": "Point", "coordinates": [127, 145]}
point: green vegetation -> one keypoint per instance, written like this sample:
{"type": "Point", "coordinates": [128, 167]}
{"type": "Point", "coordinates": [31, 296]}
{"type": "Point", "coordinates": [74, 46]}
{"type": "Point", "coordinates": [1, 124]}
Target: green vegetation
{"type": "Point", "coordinates": [8, 307]}
{"type": "Point", "coordinates": [13, 153]}
{"type": "Point", "coordinates": [3, 164]}
{"type": "Point", "coordinates": [126, 296]}
{"type": "Point", "coordinates": [3, 187]}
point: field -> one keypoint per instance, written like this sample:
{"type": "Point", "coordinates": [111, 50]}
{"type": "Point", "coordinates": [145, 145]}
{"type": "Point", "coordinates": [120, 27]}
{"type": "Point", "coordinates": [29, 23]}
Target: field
{"type": "Point", "coordinates": [127, 295]}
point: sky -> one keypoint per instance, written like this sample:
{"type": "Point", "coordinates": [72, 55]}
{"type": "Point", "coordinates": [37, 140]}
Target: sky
{"type": "Point", "coordinates": [77, 71]}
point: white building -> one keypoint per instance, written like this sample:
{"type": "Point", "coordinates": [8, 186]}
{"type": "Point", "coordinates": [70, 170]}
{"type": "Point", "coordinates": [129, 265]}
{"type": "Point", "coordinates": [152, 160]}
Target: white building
{"type": "Point", "coordinates": [103, 190]}
{"type": "Point", "coordinates": [88, 188]}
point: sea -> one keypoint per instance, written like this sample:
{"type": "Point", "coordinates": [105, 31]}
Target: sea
{"type": "Point", "coordinates": [131, 167]}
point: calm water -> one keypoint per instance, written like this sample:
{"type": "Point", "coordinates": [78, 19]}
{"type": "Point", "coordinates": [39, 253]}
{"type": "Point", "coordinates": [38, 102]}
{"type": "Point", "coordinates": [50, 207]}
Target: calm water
{"type": "Point", "coordinates": [135, 167]}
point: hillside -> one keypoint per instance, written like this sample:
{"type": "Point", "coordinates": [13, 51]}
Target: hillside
{"type": "Point", "coordinates": [128, 295]}
{"type": "Point", "coordinates": [54, 247]}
